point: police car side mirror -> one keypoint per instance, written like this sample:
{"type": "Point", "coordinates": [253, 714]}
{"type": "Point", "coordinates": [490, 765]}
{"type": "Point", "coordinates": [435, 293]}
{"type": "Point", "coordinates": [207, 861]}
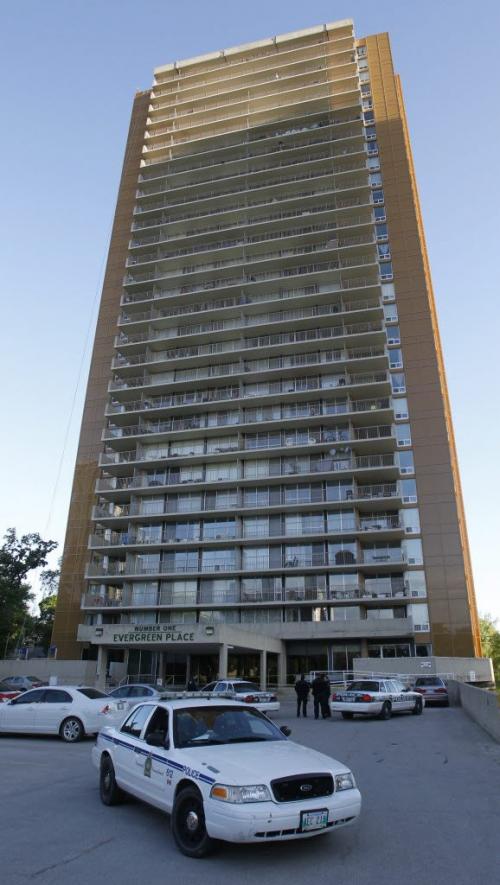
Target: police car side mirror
{"type": "Point", "coordinates": [157, 739]}
{"type": "Point", "coordinates": [286, 730]}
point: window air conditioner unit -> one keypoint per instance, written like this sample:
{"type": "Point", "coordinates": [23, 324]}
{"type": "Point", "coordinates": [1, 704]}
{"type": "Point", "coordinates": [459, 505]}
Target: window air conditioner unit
{"type": "Point", "coordinates": [412, 560]}
{"type": "Point", "coordinates": [410, 499]}
{"type": "Point", "coordinates": [409, 530]}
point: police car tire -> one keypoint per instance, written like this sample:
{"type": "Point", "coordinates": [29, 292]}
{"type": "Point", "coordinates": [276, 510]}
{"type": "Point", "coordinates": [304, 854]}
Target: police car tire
{"type": "Point", "coordinates": [347, 715]}
{"type": "Point", "coordinates": [418, 708]}
{"type": "Point", "coordinates": [386, 711]}
{"type": "Point", "coordinates": [71, 730]}
{"type": "Point", "coordinates": [109, 791]}
{"type": "Point", "coordinates": [193, 842]}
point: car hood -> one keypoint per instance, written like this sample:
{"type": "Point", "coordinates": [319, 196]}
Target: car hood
{"type": "Point", "coordinates": [254, 763]}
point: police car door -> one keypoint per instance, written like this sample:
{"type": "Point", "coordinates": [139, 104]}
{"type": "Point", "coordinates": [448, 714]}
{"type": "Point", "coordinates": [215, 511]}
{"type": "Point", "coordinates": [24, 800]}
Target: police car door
{"type": "Point", "coordinates": [398, 699]}
{"type": "Point", "coordinates": [128, 749]}
{"type": "Point", "coordinates": [156, 768]}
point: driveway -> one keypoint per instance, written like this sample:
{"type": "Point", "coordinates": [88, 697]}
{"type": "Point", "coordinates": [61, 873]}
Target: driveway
{"type": "Point", "coordinates": [431, 814]}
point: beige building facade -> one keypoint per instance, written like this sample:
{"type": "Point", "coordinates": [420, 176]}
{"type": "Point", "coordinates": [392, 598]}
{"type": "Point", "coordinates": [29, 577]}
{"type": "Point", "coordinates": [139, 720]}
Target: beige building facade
{"type": "Point", "coordinates": [266, 447]}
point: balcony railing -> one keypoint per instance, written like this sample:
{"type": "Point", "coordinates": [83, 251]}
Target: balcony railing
{"type": "Point", "coordinates": [160, 598]}
{"type": "Point", "coordinates": [250, 564]}
{"type": "Point", "coordinates": [234, 499]}
{"type": "Point", "coordinates": [244, 417]}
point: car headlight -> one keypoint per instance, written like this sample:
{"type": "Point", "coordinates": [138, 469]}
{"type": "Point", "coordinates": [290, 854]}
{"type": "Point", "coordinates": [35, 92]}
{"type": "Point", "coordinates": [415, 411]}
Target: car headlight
{"type": "Point", "coordinates": [239, 795]}
{"type": "Point", "coordinates": [344, 781]}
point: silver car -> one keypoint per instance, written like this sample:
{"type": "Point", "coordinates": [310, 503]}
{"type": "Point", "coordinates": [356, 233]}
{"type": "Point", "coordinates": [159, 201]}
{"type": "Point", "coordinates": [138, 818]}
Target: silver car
{"type": "Point", "coordinates": [135, 693]}
{"type": "Point", "coordinates": [433, 689]}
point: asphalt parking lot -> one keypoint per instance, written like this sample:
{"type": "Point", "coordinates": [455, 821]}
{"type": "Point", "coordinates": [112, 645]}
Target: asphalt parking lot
{"type": "Point", "coordinates": [431, 814]}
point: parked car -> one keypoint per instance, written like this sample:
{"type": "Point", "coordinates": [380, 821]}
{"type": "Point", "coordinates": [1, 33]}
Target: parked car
{"type": "Point", "coordinates": [247, 692]}
{"type": "Point", "coordinates": [376, 697]}
{"type": "Point", "coordinates": [69, 711]}
{"type": "Point", "coordinates": [20, 683]}
{"type": "Point", "coordinates": [133, 694]}
{"type": "Point", "coordinates": [8, 695]}
{"type": "Point", "coordinates": [433, 689]}
{"type": "Point", "coordinates": [202, 761]}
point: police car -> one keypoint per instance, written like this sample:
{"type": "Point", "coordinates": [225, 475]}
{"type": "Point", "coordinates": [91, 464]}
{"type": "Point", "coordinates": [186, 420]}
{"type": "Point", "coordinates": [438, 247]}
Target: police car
{"type": "Point", "coordinates": [202, 761]}
{"type": "Point", "coordinates": [376, 697]}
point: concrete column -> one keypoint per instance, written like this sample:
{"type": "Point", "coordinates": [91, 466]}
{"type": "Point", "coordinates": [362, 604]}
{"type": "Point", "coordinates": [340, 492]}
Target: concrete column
{"type": "Point", "coordinates": [161, 667]}
{"type": "Point", "coordinates": [364, 648]}
{"type": "Point", "coordinates": [263, 669]}
{"type": "Point", "coordinates": [188, 668]}
{"type": "Point", "coordinates": [282, 669]}
{"type": "Point", "coordinates": [102, 663]}
{"type": "Point", "coordinates": [223, 662]}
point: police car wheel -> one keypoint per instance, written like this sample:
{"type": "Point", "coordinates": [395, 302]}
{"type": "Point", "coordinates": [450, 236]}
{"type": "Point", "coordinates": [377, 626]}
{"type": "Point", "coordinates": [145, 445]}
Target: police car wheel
{"type": "Point", "coordinates": [347, 715]}
{"type": "Point", "coordinates": [71, 730]}
{"type": "Point", "coordinates": [417, 709]}
{"type": "Point", "coordinates": [386, 711]}
{"type": "Point", "coordinates": [109, 790]}
{"type": "Point", "coordinates": [188, 824]}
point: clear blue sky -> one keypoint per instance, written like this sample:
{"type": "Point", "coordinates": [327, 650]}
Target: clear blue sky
{"type": "Point", "coordinates": [68, 73]}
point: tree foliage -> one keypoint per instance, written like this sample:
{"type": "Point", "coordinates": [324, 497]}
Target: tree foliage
{"type": "Point", "coordinates": [19, 557]}
{"type": "Point", "coordinates": [490, 640]}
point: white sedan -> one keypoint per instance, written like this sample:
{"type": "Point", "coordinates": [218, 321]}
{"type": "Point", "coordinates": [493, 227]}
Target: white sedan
{"type": "Point", "coordinates": [69, 711]}
{"type": "Point", "coordinates": [246, 692]}
{"type": "Point", "coordinates": [376, 697]}
{"type": "Point", "coordinates": [202, 761]}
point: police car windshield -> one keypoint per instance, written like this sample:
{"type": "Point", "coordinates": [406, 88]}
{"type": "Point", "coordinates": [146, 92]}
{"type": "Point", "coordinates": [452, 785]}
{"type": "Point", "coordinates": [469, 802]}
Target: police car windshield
{"type": "Point", "coordinates": [212, 725]}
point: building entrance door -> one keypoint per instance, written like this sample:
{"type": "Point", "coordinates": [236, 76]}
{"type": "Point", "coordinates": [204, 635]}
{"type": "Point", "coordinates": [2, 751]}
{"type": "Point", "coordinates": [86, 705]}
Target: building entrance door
{"type": "Point", "coordinates": [342, 654]}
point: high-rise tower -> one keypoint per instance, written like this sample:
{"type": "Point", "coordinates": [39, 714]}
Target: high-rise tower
{"type": "Point", "coordinates": [266, 446]}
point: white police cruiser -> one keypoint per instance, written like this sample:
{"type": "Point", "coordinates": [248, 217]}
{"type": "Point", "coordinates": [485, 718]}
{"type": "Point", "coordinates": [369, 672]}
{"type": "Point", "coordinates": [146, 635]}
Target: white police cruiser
{"type": "Point", "coordinates": [376, 697]}
{"type": "Point", "coordinates": [203, 762]}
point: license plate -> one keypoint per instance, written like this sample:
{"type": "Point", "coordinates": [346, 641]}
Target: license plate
{"type": "Point", "coordinates": [313, 820]}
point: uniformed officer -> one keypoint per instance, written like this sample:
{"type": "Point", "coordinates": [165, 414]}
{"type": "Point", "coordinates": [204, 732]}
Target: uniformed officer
{"type": "Point", "coordinates": [302, 689]}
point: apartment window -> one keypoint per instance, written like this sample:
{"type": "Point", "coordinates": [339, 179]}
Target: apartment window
{"type": "Point", "coordinates": [398, 382]}
{"type": "Point", "coordinates": [182, 617]}
{"type": "Point", "coordinates": [410, 519]}
{"type": "Point", "coordinates": [370, 132]}
{"type": "Point", "coordinates": [143, 618]}
{"type": "Point", "coordinates": [342, 552]}
{"type": "Point", "coordinates": [396, 358]}
{"type": "Point", "coordinates": [262, 440]}
{"type": "Point", "coordinates": [255, 469]}
{"type": "Point", "coordinates": [152, 505]}
{"type": "Point", "coordinates": [379, 215]}
{"type": "Point", "coordinates": [257, 589]}
{"type": "Point", "coordinates": [302, 494]}
{"type": "Point", "coordinates": [378, 196]}
{"type": "Point", "coordinates": [222, 444]}
{"type": "Point", "coordinates": [365, 86]}
{"type": "Point", "coordinates": [147, 563]}
{"type": "Point", "coordinates": [256, 527]}
{"type": "Point", "coordinates": [303, 523]}
{"type": "Point", "coordinates": [345, 613]}
{"type": "Point", "coordinates": [219, 591]}
{"type": "Point", "coordinates": [221, 472]}
{"type": "Point", "coordinates": [194, 447]}
{"type": "Point", "coordinates": [386, 272]}
{"type": "Point", "coordinates": [403, 434]}
{"type": "Point", "coordinates": [400, 405]}
{"type": "Point", "coordinates": [343, 585]}
{"type": "Point", "coordinates": [178, 593]}
{"type": "Point", "coordinates": [361, 50]}
{"type": "Point", "coordinates": [420, 615]}
{"type": "Point", "coordinates": [384, 250]}
{"type": "Point", "coordinates": [228, 616]}
{"type": "Point", "coordinates": [218, 560]}
{"type": "Point", "coordinates": [341, 490]}
{"type": "Point", "coordinates": [256, 557]}
{"type": "Point", "coordinates": [381, 552]}
{"type": "Point", "coordinates": [409, 491]}
{"type": "Point", "coordinates": [256, 497]}
{"type": "Point", "coordinates": [225, 499]}
{"type": "Point", "coordinates": [393, 334]}
{"type": "Point", "coordinates": [189, 503]}
{"type": "Point", "coordinates": [415, 581]}
{"type": "Point", "coordinates": [216, 529]}
{"type": "Point", "coordinates": [412, 551]}
{"type": "Point", "coordinates": [375, 179]}
{"type": "Point", "coordinates": [181, 561]}
{"type": "Point", "coordinates": [405, 461]}
{"type": "Point", "coordinates": [149, 534]}
{"type": "Point", "coordinates": [341, 520]}
{"type": "Point", "coordinates": [261, 616]}
{"type": "Point", "coordinates": [364, 76]}
{"type": "Point", "coordinates": [144, 593]}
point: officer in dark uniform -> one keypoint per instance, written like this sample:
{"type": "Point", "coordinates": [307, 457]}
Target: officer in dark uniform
{"type": "Point", "coordinates": [321, 695]}
{"type": "Point", "coordinates": [302, 689]}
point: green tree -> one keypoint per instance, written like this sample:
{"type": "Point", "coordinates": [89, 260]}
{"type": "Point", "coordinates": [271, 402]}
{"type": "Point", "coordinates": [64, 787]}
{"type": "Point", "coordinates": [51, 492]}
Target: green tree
{"type": "Point", "coordinates": [41, 628]}
{"type": "Point", "coordinates": [490, 640]}
{"type": "Point", "coordinates": [18, 557]}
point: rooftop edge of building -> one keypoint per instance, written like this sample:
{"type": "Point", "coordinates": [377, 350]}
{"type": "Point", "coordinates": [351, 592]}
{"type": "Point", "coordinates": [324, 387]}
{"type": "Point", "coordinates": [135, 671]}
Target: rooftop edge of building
{"type": "Point", "coordinates": [256, 44]}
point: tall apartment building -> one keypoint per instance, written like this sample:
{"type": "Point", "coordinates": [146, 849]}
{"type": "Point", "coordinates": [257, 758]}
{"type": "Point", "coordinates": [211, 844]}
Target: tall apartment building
{"type": "Point", "coordinates": [266, 468]}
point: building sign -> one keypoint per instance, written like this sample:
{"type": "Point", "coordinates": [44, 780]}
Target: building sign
{"type": "Point", "coordinates": [163, 633]}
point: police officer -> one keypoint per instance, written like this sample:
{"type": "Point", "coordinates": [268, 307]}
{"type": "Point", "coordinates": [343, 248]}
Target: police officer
{"type": "Point", "coordinates": [321, 695]}
{"type": "Point", "coordinates": [302, 689]}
